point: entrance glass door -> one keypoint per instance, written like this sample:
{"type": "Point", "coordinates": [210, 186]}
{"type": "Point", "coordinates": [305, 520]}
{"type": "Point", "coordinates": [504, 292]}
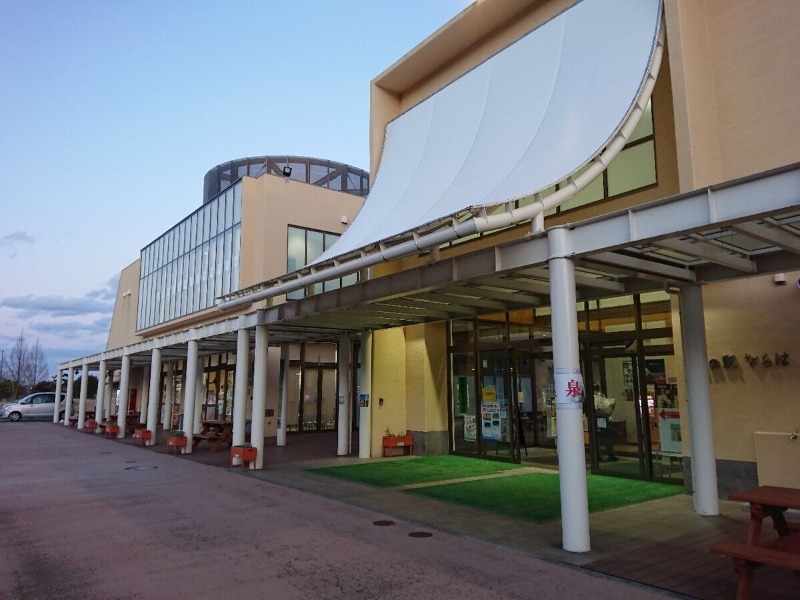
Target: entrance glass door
{"type": "Point", "coordinates": [498, 410]}
{"type": "Point", "coordinates": [319, 399]}
{"type": "Point", "coordinates": [632, 424]}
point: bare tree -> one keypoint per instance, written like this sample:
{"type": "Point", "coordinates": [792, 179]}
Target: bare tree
{"type": "Point", "coordinates": [18, 364]}
{"type": "Point", "coordinates": [27, 366]}
{"type": "Point", "coordinates": [37, 365]}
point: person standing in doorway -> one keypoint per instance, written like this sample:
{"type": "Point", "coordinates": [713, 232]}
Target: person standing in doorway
{"type": "Point", "coordinates": [603, 411]}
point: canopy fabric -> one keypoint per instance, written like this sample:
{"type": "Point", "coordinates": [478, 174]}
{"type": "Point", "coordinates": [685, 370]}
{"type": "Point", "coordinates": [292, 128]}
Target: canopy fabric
{"type": "Point", "coordinates": [528, 117]}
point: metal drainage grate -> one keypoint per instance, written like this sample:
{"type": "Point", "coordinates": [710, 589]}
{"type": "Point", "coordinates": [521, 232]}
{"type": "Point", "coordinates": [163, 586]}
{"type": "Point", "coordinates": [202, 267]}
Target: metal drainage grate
{"type": "Point", "coordinates": [383, 523]}
{"type": "Point", "coordinates": [140, 468]}
{"type": "Point", "coordinates": [420, 534]}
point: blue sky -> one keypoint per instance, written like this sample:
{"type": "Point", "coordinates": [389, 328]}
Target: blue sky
{"type": "Point", "coordinates": [114, 111]}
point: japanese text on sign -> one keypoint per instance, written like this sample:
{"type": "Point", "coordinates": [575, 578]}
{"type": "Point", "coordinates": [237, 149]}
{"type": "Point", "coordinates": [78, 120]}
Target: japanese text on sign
{"type": "Point", "coordinates": [569, 389]}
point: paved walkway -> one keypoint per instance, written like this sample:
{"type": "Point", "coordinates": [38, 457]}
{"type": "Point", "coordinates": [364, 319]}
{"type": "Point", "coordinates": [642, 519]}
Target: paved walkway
{"type": "Point", "coordinates": [87, 518]}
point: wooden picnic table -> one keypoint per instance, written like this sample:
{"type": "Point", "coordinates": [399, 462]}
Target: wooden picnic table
{"type": "Point", "coordinates": [772, 502]}
{"type": "Point", "coordinates": [215, 433]}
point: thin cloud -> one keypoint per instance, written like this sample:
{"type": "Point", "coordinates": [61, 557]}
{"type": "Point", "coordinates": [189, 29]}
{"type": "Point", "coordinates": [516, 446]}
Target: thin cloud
{"type": "Point", "coordinates": [30, 306]}
{"type": "Point", "coordinates": [16, 237]}
{"type": "Point", "coordinates": [100, 300]}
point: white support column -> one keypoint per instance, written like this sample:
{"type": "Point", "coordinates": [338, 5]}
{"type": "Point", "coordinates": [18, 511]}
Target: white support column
{"type": "Point", "coordinates": [100, 398]}
{"type": "Point", "coordinates": [364, 400]}
{"type": "Point", "coordinates": [344, 397]}
{"type": "Point", "coordinates": [281, 439]}
{"type": "Point", "coordinates": [153, 393]}
{"type": "Point", "coordinates": [68, 407]}
{"type": "Point", "coordinates": [259, 394]}
{"type": "Point", "coordinates": [145, 402]}
{"type": "Point", "coordinates": [190, 391]}
{"type": "Point", "coordinates": [169, 395]}
{"type": "Point", "coordinates": [569, 395]}
{"type": "Point", "coordinates": [57, 407]}
{"type": "Point", "coordinates": [83, 396]}
{"type": "Point", "coordinates": [199, 398]}
{"type": "Point", "coordinates": [124, 392]}
{"type": "Point", "coordinates": [698, 401]}
{"type": "Point", "coordinates": [109, 394]}
{"type": "Point", "coordinates": [240, 380]}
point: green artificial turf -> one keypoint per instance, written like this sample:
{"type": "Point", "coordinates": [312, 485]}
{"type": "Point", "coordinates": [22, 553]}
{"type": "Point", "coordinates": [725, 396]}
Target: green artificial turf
{"type": "Point", "coordinates": [536, 496]}
{"type": "Point", "coordinates": [393, 473]}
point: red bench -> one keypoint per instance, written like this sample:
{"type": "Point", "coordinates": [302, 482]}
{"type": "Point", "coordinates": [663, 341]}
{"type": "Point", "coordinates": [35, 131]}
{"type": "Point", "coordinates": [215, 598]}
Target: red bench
{"type": "Point", "coordinates": [785, 553]}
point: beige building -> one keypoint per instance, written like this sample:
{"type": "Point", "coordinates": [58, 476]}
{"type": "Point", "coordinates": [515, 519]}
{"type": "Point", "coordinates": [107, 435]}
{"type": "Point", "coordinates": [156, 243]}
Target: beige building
{"type": "Point", "coordinates": [681, 258]}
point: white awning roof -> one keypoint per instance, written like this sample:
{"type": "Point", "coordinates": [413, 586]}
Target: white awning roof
{"type": "Point", "coordinates": [523, 120]}
{"type": "Point", "coordinates": [566, 95]}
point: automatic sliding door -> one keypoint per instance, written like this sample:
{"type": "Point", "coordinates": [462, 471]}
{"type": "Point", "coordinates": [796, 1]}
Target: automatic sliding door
{"type": "Point", "coordinates": [497, 419]}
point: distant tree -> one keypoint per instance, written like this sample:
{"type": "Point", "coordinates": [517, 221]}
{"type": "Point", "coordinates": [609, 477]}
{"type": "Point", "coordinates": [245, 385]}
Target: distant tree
{"type": "Point", "coordinates": [27, 368]}
{"type": "Point", "coordinates": [17, 364]}
{"type": "Point", "coordinates": [37, 365]}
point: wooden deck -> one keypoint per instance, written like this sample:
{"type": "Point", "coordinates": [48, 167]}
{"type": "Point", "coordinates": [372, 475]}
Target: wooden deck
{"type": "Point", "coordinates": [685, 565]}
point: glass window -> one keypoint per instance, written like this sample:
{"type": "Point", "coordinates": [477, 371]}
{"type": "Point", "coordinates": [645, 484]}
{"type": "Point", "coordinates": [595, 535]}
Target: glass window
{"type": "Point", "coordinates": [645, 126]}
{"type": "Point", "coordinates": [315, 244]}
{"type": "Point", "coordinates": [464, 402]}
{"type": "Point", "coordinates": [591, 193]}
{"type": "Point", "coordinates": [220, 214]}
{"type": "Point", "coordinates": [184, 262]}
{"type": "Point", "coordinates": [237, 203]}
{"type": "Point", "coordinates": [228, 209]}
{"type": "Point", "coordinates": [635, 167]}
{"type": "Point", "coordinates": [220, 262]}
{"type": "Point", "coordinates": [198, 255]}
{"type": "Point", "coordinates": [492, 328]}
{"type": "Point", "coordinates": [212, 217]}
{"type": "Point", "coordinates": [462, 332]}
{"type": "Point", "coordinates": [228, 254]}
{"type": "Point", "coordinates": [299, 171]}
{"type": "Point", "coordinates": [237, 240]}
{"type": "Point", "coordinates": [330, 240]}
{"type": "Point", "coordinates": [296, 250]}
{"type": "Point", "coordinates": [190, 286]}
{"type": "Point", "coordinates": [212, 269]}
{"type": "Point", "coordinates": [319, 172]}
{"type": "Point", "coordinates": [204, 302]}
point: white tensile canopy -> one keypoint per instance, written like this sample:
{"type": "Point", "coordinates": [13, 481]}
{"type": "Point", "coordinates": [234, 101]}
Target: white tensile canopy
{"type": "Point", "coordinates": [562, 97]}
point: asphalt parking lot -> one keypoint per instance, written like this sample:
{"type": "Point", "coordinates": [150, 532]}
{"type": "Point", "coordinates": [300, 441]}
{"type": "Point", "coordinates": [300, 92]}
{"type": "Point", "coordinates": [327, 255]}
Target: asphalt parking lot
{"type": "Point", "coordinates": [88, 518]}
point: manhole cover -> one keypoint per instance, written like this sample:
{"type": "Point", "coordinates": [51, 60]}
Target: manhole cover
{"type": "Point", "coordinates": [383, 523]}
{"type": "Point", "coordinates": [140, 468]}
{"type": "Point", "coordinates": [420, 534]}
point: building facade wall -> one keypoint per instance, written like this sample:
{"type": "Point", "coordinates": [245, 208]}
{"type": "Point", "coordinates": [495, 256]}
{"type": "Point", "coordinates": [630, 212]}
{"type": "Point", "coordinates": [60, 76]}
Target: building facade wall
{"type": "Point", "coordinates": [743, 318]}
{"type": "Point", "coordinates": [270, 205]}
{"type": "Point", "coordinates": [122, 330]}
{"type": "Point", "coordinates": [723, 108]}
{"type": "Point", "coordinates": [735, 79]}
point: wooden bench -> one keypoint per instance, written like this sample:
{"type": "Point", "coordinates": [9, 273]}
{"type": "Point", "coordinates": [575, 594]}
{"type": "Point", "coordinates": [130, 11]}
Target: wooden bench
{"type": "Point", "coordinates": [214, 440]}
{"type": "Point", "coordinates": [785, 553]}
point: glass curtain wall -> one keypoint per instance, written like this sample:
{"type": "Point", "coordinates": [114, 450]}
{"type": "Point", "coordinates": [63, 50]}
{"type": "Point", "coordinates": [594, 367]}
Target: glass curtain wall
{"type": "Point", "coordinates": [192, 264]}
